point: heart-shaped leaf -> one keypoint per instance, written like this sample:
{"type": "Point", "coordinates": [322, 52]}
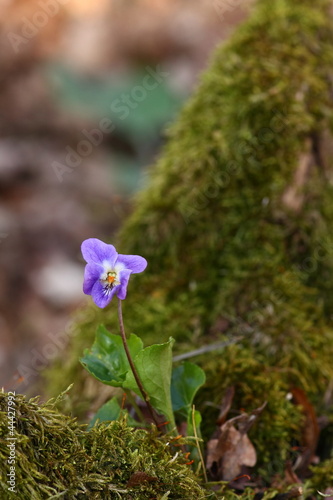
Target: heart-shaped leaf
{"type": "Point", "coordinates": [107, 360]}
{"type": "Point", "coordinates": [187, 378]}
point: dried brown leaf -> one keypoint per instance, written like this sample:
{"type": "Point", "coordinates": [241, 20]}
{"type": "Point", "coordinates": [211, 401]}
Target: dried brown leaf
{"type": "Point", "coordinates": [230, 452]}
{"type": "Point", "coordinates": [138, 478]}
{"type": "Point", "coordinates": [231, 449]}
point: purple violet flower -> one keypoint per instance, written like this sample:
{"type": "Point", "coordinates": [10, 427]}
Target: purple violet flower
{"type": "Point", "coordinates": [107, 272]}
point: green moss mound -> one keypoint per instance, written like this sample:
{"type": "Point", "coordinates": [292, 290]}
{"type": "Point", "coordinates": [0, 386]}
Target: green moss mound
{"type": "Point", "coordinates": [55, 457]}
{"type": "Point", "coordinates": [237, 227]}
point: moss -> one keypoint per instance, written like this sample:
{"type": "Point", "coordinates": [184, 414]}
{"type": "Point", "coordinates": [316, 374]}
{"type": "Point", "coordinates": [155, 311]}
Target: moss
{"type": "Point", "coordinates": [58, 458]}
{"type": "Point", "coordinates": [321, 479]}
{"type": "Point", "coordinates": [237, 223]}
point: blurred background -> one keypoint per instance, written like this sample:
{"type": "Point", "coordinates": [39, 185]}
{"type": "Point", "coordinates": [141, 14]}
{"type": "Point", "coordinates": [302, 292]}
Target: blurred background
{"type": "Point", "coordinates": [87, 89]}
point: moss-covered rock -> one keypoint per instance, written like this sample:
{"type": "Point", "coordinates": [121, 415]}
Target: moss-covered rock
{"type": "Point", "coordinates": [55, 457]}
{"type": "Point", "coordinates": [237, 227]}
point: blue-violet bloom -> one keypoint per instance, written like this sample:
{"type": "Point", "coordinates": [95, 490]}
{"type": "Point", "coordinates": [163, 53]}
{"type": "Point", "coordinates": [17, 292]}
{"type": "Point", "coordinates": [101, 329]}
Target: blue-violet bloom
{"type": "Point", "coordinates": [107, 272]}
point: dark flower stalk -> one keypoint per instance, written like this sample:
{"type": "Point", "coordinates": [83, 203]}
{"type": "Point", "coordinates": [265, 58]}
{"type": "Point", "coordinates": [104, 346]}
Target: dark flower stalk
{"type": "Point", "coordinates": [130, 360]}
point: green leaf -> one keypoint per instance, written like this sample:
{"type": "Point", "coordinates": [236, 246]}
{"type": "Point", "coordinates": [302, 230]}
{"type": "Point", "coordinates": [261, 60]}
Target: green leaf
{"type": "Point", "coordinates": [187, 378]}
{"type": "Point", "coordinates": [111, 411]}
{"type": "Point", "coordinates": [107, 360]}
{"type": "Point", "coordinates": [154, 366]}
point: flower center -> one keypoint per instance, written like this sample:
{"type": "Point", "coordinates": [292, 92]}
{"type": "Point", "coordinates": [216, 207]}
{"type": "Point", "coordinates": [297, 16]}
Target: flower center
{"type": "Point", "coordinates": [111, 280]}
{"type": "Point", "coordinates": [111, 277]}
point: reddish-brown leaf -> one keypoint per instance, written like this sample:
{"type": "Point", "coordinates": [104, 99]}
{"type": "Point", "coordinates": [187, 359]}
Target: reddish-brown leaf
{"type": "Point", "coordinates": [311, 431]}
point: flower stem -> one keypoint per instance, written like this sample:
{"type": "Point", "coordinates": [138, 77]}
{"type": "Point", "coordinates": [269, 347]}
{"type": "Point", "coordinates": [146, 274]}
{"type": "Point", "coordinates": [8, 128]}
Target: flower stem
{"type": "Point", "coordinates": [130, 360]}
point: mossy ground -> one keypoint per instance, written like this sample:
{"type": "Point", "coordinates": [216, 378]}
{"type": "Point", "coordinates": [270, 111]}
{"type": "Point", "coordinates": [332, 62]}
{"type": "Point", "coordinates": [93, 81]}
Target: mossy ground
{"type": "Point", "coordinates": [237, 227]}
{"type": "Point", "coordinates": [55, 457]}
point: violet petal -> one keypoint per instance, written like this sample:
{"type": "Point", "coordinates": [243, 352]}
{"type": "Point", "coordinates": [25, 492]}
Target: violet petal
{"type": "Point", "coordinates": [96, 251]}
{"type": "Point", "coordinates": [101, 295]}
{"type": "Point", "coordinates": [92, 274]}
{"type": "Point", "coordinates": [122, 288]}
{"type": "Point", "coordinates": [135, 263]}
